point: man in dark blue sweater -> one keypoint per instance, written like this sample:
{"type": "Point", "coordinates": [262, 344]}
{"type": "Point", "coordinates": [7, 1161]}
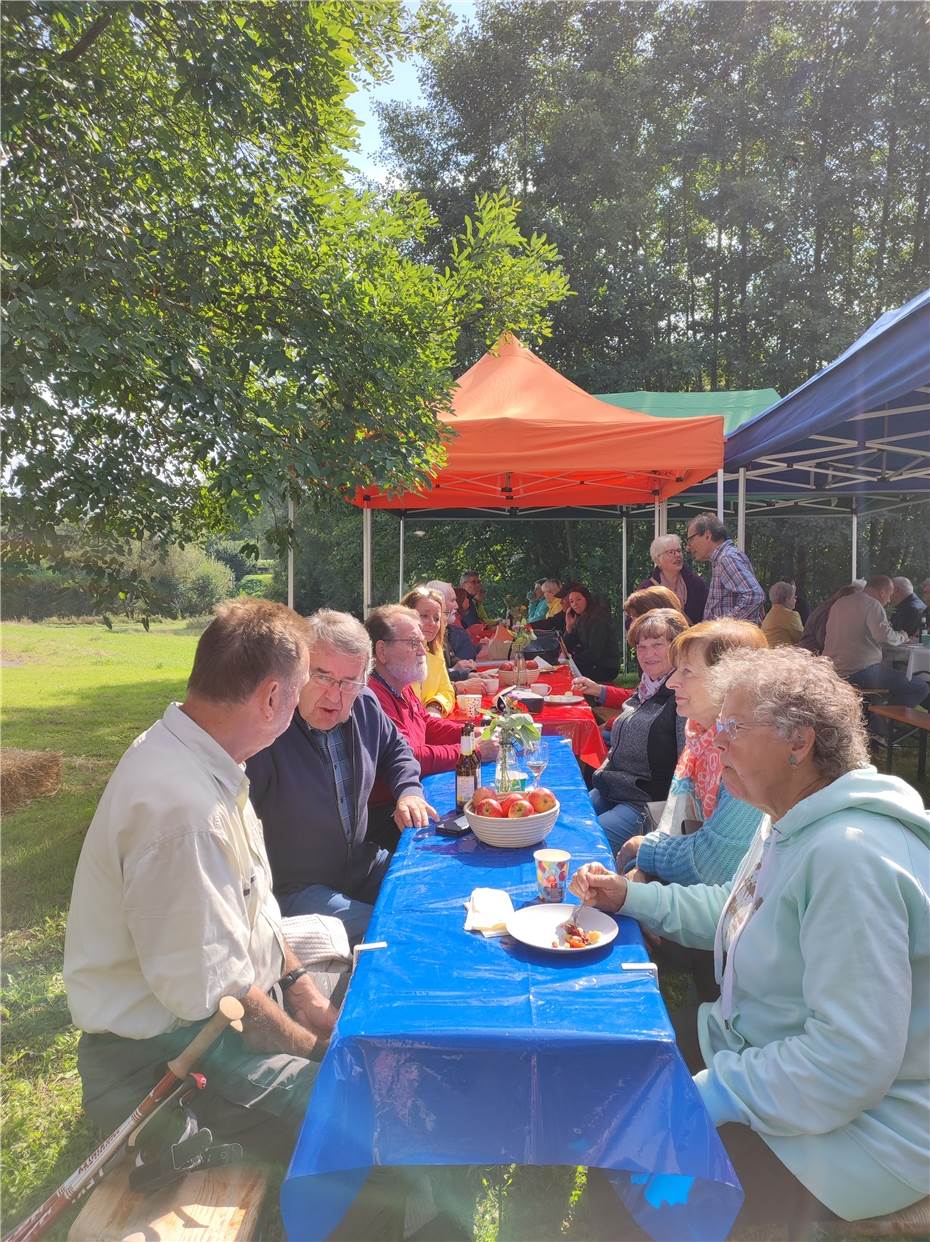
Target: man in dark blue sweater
{"type": "Point", "coordinates": [311, 786]}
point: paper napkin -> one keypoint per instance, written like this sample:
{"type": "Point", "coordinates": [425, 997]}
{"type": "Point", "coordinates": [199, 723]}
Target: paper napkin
{"type": "Point", "coordinates": [488, 911]}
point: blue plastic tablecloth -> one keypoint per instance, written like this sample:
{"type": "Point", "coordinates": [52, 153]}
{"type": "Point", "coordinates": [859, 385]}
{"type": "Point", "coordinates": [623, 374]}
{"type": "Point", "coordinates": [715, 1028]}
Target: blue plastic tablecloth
{"type": "Point", "coordinates": [456, 1049]}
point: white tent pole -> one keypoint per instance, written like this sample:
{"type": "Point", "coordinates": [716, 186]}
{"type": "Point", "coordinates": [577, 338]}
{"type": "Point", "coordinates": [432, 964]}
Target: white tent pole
{"type": "Point", "coordinates": [663, 518]}
{"type": "Point", "coordinates": [741, 510]}
{"type": "Point", "coordinates": [292, 521]}
{"type": "Point", "coordinates": [855, 542]}
{"type": "Point", "coordinates": [720, 495]}
{"type": "Point", "coordinates": [400, 559]}
{"type": "Point", "coordinates": [366, 561]}
{"type": "Point", "coordinates": [623, 583]}
{"type": "Point", "coordinates": [655, 520]}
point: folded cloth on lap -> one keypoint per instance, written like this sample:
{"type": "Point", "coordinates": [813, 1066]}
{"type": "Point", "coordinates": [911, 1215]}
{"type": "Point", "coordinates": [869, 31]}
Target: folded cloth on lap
{"type": "Point", "coordinates": [320, 943]}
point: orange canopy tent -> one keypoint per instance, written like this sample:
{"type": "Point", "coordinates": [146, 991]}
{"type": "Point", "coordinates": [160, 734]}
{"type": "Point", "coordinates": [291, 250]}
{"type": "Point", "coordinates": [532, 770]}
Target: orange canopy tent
{"type": "Point", "coordinates": [525, 436]}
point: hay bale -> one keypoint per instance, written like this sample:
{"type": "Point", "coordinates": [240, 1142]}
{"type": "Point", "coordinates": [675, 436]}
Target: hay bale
{"type": "Point", "coordinates": [27, 774]}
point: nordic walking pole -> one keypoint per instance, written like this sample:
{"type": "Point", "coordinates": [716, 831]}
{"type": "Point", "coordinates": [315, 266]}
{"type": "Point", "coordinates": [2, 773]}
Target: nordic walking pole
{"type": "Point", "coordinates": [229, 1013]}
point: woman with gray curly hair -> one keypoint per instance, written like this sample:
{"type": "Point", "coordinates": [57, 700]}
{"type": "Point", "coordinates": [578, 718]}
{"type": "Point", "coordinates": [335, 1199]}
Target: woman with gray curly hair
{"type": "Point", "coordinates": [814, 1060]}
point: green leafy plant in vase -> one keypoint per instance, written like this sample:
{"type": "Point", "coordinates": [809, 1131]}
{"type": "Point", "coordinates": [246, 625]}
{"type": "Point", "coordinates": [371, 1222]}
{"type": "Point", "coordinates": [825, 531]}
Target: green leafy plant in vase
{"type": "Point", "coordinates": [509, 729]}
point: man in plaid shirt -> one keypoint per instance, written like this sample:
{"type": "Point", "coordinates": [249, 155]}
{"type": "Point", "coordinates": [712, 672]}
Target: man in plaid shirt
{"type": "Point", "coordinates": [734, 591]}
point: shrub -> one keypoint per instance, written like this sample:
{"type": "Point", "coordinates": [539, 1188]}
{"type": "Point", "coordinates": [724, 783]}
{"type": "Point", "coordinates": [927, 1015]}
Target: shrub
{"type": "Point", "coordinates": [227, 552]}
{"type": "Point", "coordinates": [190, 582]}
{"type": "Point", "coordinates": [39, 593]}
{"type": "Point", "coordinates": [256, 584]}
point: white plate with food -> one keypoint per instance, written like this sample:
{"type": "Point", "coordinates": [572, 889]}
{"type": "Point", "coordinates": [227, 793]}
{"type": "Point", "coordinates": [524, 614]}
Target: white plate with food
{"type": "Point", "coordinates": [565, 700]}
{"type": "Point", "coordinates": [562, 928]}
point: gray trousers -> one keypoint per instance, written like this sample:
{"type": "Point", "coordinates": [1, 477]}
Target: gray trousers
{"type": "Point", "coordinates": [257, 1099]}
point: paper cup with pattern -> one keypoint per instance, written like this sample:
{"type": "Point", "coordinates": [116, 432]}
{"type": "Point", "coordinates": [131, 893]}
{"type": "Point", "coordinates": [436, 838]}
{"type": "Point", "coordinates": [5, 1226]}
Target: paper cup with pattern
{"type": "Point", "coordinates": [469, 705]}
{"type": "Point", "coordinates": [551, 874]}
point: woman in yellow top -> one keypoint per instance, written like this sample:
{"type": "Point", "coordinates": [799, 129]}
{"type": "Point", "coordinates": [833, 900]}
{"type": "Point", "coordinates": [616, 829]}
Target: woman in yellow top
{"type": "Point", "coordinates": [782, 625]}
{"type": "Point", "coordinates": [435, 691]}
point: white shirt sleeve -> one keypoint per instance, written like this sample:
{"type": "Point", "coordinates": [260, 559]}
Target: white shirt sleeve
{"type": "Point", "coordinates": [185, 911]}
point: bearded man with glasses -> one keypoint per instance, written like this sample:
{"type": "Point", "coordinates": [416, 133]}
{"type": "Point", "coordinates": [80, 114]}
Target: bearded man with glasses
{"type": "Point", "coordinates": [311, 787]}
{"type": "Point", "coordinates": [400, 662]}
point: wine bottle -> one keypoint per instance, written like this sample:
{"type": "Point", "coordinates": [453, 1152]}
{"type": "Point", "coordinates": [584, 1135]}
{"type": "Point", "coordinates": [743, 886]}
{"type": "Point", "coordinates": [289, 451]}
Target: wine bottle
{"type": "Point", "coordinates": [466, 774]}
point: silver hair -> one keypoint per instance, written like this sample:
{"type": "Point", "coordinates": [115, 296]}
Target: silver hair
{"type": "Point", "coordinates": [791, 690]}
{"type": "Point", "coordinates": [904, 584]}
{"type": "Point", "coordinates": [663, 543]}
{"type": "Point", "coordinates": [781, 592]}
{"type": "Point", "coordinates": [340, 631]}
{"type": "Point", "coordinates": [445, 589]}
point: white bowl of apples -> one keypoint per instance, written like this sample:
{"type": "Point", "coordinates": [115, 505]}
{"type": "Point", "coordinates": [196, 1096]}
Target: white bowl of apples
{"type": "Point", "coordinates": [512, 821]}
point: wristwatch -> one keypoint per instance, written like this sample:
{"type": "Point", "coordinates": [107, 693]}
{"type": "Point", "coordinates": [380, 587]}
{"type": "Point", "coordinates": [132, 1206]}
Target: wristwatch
{"type": "Point", "coordinates": [291, 977]}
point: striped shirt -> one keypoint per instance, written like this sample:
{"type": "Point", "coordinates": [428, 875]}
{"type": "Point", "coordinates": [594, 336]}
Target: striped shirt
{"type": "Point", "coordinates": [734, 591]}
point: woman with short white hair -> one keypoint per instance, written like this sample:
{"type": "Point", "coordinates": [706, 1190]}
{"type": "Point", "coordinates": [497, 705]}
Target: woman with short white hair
{"type": "Point", "coordinates": [669, 570]}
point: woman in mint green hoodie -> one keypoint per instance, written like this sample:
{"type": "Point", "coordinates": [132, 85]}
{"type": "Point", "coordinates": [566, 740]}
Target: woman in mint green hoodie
{"type": "Point", "coordinates": [819, 1042]}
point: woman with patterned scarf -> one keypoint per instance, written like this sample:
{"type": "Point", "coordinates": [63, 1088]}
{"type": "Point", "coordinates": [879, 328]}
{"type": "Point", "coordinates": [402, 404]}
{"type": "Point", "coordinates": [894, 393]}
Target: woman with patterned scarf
{"type": "Point", "coordinates": [704, 831]}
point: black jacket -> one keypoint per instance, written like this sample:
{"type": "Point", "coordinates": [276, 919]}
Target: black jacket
{"type": "Point", "coordinates": [593, 643]}
{"type": "Point", "coordinates": [908, 615]}
{"type": "Point", "coordinates": [645, 742]}
{"type": "Point", "coordinates": [293, 792]}
{"type": "Point", "coordinates": [697, 591]}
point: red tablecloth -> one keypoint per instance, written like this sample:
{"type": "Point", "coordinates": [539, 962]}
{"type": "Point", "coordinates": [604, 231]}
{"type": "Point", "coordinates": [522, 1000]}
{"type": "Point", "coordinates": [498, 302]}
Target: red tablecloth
{"type": "Point", "coordinates": [574, 721]}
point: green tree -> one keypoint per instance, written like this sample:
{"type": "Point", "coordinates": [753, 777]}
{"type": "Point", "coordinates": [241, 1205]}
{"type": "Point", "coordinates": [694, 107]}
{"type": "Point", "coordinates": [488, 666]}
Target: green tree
{"type": "Point", "coordinates": [199, 309]}
{"type": "Point", "coordinates": [737, 189]}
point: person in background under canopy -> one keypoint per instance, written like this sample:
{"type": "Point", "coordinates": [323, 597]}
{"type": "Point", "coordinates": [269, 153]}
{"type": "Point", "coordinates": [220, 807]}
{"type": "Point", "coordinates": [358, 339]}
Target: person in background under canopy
{"type": "Point", "coordinates": [669, 570]}
{"type": "Point", "coordinates": [590, 637]}
{"type": "Point", "coordinates": [813, 1062]}
{"type": "Point", "coordinates": [782, 623]}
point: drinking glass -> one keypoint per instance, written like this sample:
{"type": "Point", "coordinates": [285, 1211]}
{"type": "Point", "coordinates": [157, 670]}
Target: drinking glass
{"type": "Point", "coordinates": [536, 758]}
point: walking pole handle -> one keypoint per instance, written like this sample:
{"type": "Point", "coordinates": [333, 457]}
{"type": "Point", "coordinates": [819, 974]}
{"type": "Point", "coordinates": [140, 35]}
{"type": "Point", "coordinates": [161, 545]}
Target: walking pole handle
{"type": "Point", "coordinates": [228, 1013]}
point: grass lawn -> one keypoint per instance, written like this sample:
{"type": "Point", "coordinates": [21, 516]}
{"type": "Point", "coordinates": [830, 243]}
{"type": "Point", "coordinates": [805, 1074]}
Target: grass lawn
{"type": "Point", "coordinates": [87, 692]}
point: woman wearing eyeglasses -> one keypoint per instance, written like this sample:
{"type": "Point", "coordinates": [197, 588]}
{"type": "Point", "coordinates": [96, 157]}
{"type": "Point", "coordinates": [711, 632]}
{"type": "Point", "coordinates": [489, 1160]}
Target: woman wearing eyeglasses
{"type": "Point", "coordinates": [669, 570]}
{"type": "Point", "coordinates": [645, 738]}
{"type": "Point", "coordinates": [813, 1062]}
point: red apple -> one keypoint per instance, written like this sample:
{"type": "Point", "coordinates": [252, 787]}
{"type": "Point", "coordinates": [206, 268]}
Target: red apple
{"type": "Point", "coordinates": [519, 809]}
{"type": "Point", "coordinates": [507, 800]}
{"type": "Point", "coordinates": [489, 807]}
{"type": "Point", "coordinates": [541, 799]}
{"type": "Point", "coordinates": [482, 793]}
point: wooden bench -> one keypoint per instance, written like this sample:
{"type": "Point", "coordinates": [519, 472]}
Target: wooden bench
{"type": "Point", "coordinates": [220, 1204]}
{"type": "Point", "coordinates": [910, 1222]}
{"type": "Point", "coordinates": [903, 722]}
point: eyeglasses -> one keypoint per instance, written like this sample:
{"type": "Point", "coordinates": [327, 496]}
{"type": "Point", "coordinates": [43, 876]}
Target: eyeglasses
{"type": "Point", "coordinates": [694, 535]}
{"type": "Point", "coordinates": [730, 728]}
{"type": "Point", "coordinates": [415, 644]}
{"type": "Point", "coordinates": [345, 685]}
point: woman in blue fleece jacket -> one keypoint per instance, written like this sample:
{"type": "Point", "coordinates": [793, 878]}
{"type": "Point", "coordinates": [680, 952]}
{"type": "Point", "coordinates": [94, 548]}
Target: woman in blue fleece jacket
{"type": "Point", "coordinates": [814, 1060]}
{"type": "Point", "coordinates": [722, 826]}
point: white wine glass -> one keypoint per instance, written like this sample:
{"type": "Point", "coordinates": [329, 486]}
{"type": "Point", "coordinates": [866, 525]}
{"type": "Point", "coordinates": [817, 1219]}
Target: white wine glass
{"type": "Point", "coordinates": [536, 758]}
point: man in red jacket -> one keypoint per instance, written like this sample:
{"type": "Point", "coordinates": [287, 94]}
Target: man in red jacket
{"type": "Point", "coordinates": [400, 660]}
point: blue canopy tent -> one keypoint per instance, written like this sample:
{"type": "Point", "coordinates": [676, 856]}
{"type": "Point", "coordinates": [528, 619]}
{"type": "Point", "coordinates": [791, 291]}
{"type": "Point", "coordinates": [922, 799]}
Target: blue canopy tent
{"type": "Point", "coordinates": [856, 434]}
